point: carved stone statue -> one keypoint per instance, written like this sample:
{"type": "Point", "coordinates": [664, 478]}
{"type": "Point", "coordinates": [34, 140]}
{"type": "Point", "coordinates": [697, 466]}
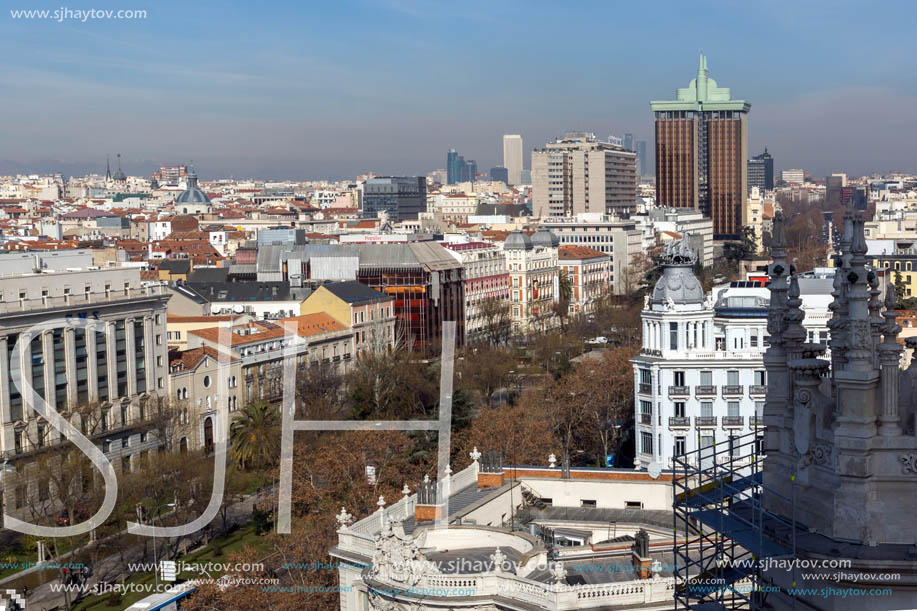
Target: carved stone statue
{"type": "Point", "coordinates": [559, 572]}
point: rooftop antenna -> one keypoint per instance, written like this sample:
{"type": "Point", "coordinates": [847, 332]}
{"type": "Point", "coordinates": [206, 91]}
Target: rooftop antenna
{"type": "Point", "coordinates": [107, 166]}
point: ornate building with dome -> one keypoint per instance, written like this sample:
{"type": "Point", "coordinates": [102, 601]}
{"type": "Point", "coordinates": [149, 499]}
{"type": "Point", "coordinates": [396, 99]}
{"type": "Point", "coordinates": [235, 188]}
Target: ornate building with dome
{"type": "Point", "coordinates": [533, 276]}
{"type": "Point", "coordinates": [700, 376]}
{"type": "Point", "coordinates": [193, 200]}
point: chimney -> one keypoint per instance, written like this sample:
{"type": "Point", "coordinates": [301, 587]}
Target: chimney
{"type": "Point", "coordinates": [641, 555]}
{"type": "Point", "coordinates": [490, 474]}
{"type": "Point", "coordinates": [426, 508]}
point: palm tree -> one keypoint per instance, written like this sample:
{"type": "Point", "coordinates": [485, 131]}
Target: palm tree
{"type": "Point", "coordinates": [255, 436]}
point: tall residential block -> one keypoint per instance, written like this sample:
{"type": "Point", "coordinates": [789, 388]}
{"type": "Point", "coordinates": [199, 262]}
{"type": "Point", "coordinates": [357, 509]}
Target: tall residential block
{"type": "Point", "coordinates": [577, 174]}
{"type": "Point", "coordinates": [512, 157]}
{"type": "Point", "coordinates": [701, 148]}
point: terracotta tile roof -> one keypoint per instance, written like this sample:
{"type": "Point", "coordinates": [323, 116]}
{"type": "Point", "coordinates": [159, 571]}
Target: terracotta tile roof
{"type": "Point", "coordinates": [570, 251]}
{"type": "Point", "coordinates": [186, 360]}
{"type": "Point", "coordinates": [307, 324]}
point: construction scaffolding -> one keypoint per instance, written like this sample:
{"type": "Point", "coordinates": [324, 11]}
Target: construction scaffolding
{"type": "Point", "coordinates": [722, 530]}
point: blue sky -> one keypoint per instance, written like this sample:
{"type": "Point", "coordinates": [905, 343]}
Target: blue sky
{"type": "Point", "coordinates": [333, 89]}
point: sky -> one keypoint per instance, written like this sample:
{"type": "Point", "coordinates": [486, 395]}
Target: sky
{"type": "Point", "coordinates": [330, 90]}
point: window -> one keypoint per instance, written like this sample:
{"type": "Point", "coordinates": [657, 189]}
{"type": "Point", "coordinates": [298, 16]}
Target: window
{"type": "Point", "coordinates": [679, 409]}
{"type": "Point", "coordinates": [706, 378]}
{"type": "Point", "coordinates": [754, 338]}
{"type": "Point", "coordinates": [586, 503]}
{"type": "Point", "coordinates": [646, 377]}
{"type": "Point", "coordinates": [633, 504]}
{"type": "Point", "coordinates": [706, 409]}
{"type": "Point", "coordinates": [759, 411]}
{"type": "Point", "coordinates": [646, 442]}
{"type": "Point", "coordinates": [206, 381]}
{"type": "Point", "coordinates": [760, 377]}
{"type": "Point", "coordinates": [646, 412]}
{"type": "Point", "coordinates": [706, 441]}
{"type": "Point", "coordinates": [673, 336]}
{"type": "Point", "coordinates": [733, 409]}
{"type": "Point", "coordinates": [732, 378]}
{"type": "Point", "coordinates": [734, 446]}
{"type": "Point", "coordinates": [680, 446]}
{"type": "Point", "coordinates": [679, 378]}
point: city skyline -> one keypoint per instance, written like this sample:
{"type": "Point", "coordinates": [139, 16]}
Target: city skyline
{"type": "Point", "coordinates": [321, 106]}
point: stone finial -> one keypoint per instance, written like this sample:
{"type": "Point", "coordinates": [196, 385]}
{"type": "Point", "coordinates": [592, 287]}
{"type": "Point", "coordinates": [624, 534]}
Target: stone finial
{"type": "Point", "coordinates": [498, 558]}
{"type": "Point", "coordinates": [793, 316]}
{"type": "Point", "coordinates": [656, 569]}
{"type": "Point", "coordinates": [552, 460]}
{"type": "Point", "coordinates": [448, 470]}
{"type": "Point", "coordinates": [406, 491]}
{"type": "Point", "coordinates": [778, 239]}
{"type": "Point", "coordinates": [474, 454]}
{"type": "Point", "coordinates": [343, 518]}
{"type": "Point", "coordinates": [891, 296]}
{"type": "Point", "coordinates": [426, 478]}
{"type": "Point", "coordinates": [381, 502]}
{"type": "Point", "coordinates": [558, 572]}
{"type": "Point", "coordinates": [890, 329]}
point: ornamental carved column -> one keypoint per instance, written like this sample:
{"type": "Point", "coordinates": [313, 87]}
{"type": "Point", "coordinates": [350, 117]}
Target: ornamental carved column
{"type": "Point", "coordinates": [889, 357]}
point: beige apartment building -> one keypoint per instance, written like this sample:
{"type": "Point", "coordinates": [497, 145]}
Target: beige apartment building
{"type": "Point", "coordinates": [577, 174]}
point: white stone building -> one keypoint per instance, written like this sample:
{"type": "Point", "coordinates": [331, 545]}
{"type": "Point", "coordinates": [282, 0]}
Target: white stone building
{"type": "Point", "coordinates": [700, 376]}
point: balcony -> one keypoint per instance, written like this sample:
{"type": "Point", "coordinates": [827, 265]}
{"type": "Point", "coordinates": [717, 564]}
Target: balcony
{"type": "Point", "coordinates": [733, 390]}
{"type": "Point", "coordinates": [705, 391]}
{"type": "Point", "coordinates": [645, 389]}
{"type": "Point", "coordinates": [755, 421]}
{"type": "Point", "coordinates": [705, 421]}
{"type": "Point", "coordinates": [678, 390]}
{"type": "Point", "coordinates": [646, 419]}
{"type": "Point", "coordinates": [733, 421]}
{"type": "Point", "coordinates": [757, 389]}
{"type": "Point", "coordinates": [679, 422]}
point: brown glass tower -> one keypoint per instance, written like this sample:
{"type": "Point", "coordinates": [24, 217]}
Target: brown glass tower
{"type": "Point", "coordinates": [701, 146]}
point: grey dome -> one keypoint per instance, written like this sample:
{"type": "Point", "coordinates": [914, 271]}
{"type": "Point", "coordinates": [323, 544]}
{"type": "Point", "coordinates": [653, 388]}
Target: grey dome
{"type": "Point", "coordinates": [679, 284]}
{"type": "Point", "coordinates": [517, 241]}
{"type": "Point", "coordinates": [192, 195]}
{"type": "Point", "coordinates": [543, 237]}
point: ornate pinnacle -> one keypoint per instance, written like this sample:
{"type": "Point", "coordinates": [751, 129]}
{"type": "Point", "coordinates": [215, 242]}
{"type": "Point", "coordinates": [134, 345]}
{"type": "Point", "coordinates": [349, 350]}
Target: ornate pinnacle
{"type": "Point", "coordinates": [891, 329]}
{"type": "Point", "coordinates": [474, 454]}
{"type": "Point", "coordinates": [343, 518]}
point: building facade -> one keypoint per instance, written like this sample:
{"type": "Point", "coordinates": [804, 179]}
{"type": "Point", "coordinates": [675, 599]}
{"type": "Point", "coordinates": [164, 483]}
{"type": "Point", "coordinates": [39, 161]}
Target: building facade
{"type": "Point", "coordinates": [486, 277]}
{"type": "Point", "coordinates": [589, 273]}
{"type": "Point", "coordinates": [532, 263]}
{"type": "Point", "coordinates": [578, 173]}
{"type": "Point", "coordinates": [109, 380]}
{"type": "Point", "coordinates": [761, 171]}
{"type": "Point", "coordinates": [398, 197]}
{"type": "Point", "coordinates": [701, 148]}
{"type": "Point", "coordinates": [618, 238]}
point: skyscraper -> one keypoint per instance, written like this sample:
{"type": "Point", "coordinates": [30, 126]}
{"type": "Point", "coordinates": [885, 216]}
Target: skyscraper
{"type": "Point", "coordinates": [577, 173]}
{"type": "Point", "coordinates": [701, 151]}
{"type": "Point", "coordinates": [499, 173]}
{"type": "Point", "coordinates": [512, 157]}
{"type": "Point", "coordinates": [761, 171]}
{"type": "Point", "coordinates": [641, 157]}
{"type": "Point", "coordinates": [458, 170]}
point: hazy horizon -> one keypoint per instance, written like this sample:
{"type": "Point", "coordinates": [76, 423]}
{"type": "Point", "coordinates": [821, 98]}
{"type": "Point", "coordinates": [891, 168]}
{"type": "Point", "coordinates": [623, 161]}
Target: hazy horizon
{"type": "Point", "coordinates": [333, 91]}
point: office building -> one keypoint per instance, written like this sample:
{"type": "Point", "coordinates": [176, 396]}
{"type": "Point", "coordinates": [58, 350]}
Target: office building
{"type": "Point", "coordinates": [796, 177]}
{"type": "Point", "coordinates": [620, 239]}
{"type": "Point", "coordinates": [459, 170]}
{"type": "Point", "coordinates": [115, 376]}
{"type": "Point", "coordinates": [701, 148]}
{"type": "Point", "coordinates": [512, 157]}
{"type": "Point", "coordinates": [761, 171]}
{"type": "Point", "coordinates": [834, 186]}
{"type": "Point", "coordinates": [577, 174]}
{"type": "Point", "coordinates": [399, 197]}
{"type": "Point", "coordinates": [500, 174]}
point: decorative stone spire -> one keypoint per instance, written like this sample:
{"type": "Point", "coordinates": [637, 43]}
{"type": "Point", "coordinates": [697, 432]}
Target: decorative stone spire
{"type": "Point", "coordinates": [859, 333]}
{"type": "Point", "coordinates": [795, 333]}
{"type": "Point", "coordinates": [474, 454]}
{"type": "Point", "coordinates": [875, 311]}
{"type": "Point", "coordinates": [889, 357]}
